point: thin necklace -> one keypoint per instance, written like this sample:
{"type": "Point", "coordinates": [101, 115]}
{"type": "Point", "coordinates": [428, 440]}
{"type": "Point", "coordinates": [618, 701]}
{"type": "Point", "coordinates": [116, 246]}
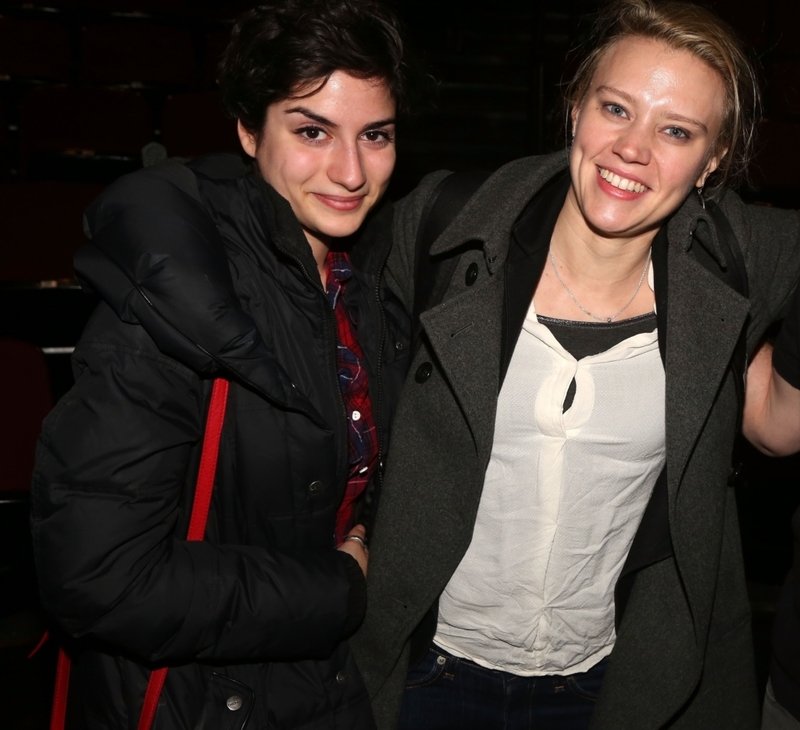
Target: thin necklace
{"type": "Point", "coordinates": [586, 311]}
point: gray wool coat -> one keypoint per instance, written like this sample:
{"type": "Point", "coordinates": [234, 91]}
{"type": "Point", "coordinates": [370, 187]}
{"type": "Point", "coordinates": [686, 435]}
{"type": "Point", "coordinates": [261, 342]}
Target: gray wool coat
{"type": "Point", "coordinates": [683, 656]}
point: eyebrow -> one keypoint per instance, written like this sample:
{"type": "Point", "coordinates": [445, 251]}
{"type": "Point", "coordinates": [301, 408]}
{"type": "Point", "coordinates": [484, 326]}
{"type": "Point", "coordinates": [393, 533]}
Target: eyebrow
{"type": "Point", "coordinates": [319, 119]}
{"type": "Point", "coordinates": [671, 115]}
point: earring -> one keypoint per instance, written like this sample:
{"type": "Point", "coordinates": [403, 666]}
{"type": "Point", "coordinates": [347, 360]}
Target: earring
{"type": "Point", "coordinates": [700, 195]}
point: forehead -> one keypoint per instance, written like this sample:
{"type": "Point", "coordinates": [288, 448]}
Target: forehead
{"type": "Point", "coordinates": [342, 91]}
{"type": "Point", "coordinates": [650, 71]}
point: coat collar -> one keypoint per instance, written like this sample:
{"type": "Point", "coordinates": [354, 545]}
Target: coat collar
{"type": "Point", "coordinates": [702, 316]}
{"type": "Point", "coordinates": [368, 247]}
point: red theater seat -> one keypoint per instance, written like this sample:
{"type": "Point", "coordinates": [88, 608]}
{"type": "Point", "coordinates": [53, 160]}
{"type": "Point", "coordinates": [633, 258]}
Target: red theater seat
{"type": "Point", "coordinates": [33, 49]}
{"type": "Point", "coordinates": [193, 124]}
{"type": "Point", "coordinates": [783, 90]}
{"type": "Point", "coordinates": [777, 161]}
{"type": "Point", "coordinates": [42, 228]}
{"type": "Point", "coordinates": [214, 47]}
{"type": "Point", "coordinates": [26, 401]}
{"type": "Point", "coordinates": [131, 53]}
{"type": "Point", "coordinates": [81, 126]}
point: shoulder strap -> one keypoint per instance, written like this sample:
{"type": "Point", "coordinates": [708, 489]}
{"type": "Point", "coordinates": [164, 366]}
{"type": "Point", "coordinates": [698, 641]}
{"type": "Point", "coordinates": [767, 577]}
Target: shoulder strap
{"type": "Point", "coordinates": [432, 277]}
{"type": "Point", "coordinates": [197, 528]}
{"type": "Point", "coordinates": [734, 274]}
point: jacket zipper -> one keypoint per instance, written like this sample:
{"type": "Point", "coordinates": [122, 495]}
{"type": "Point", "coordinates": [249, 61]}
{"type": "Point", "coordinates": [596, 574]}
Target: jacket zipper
{"type": "Point", "coordinates": [330, 316]}
{"type": "Point", "coordinates": [377, 411]}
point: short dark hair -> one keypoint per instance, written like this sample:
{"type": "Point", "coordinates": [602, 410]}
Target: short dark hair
{"type": "Point", "coordinates": [280, 47]}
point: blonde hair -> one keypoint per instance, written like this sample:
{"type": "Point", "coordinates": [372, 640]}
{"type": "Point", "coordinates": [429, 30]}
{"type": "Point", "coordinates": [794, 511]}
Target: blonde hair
{"type": "Point", "coordinates": [687, 27]}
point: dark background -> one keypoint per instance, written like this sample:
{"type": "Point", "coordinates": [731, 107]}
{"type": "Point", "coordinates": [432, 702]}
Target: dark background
{"type": "Point", "coordinates": [86, 84]}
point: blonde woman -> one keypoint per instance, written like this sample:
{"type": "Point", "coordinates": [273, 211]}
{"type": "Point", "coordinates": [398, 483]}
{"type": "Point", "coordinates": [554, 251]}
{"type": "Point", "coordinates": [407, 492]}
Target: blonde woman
{"type": "Point", "coordinates": [557, 533]}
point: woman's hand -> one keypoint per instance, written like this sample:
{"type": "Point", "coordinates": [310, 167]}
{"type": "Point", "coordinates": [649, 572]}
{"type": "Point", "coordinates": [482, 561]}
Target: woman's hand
{"type": "Point", "coordinates": [357, 548]}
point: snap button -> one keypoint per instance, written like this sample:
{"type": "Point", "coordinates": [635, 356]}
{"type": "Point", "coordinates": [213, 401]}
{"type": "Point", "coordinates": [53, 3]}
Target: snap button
{"type": "Point", "coordinates": [398, 345]}
{"type": "Point", "coordinates": [341, 676]}
{"type": "Point", "coordinates": [423, 372]}
{"type": "Point", "coordinates": [234, 702]}
{"type": "Point", "coordinates": [472, 274]}
{"type": "Point", "coordinates": [440, 660]}
{"type": "Point", "coordinates": [316, 486]}
{"type": "Point", "coordinates": [356, 416]}
{"type": "Point", "coordinates": [735, 475]}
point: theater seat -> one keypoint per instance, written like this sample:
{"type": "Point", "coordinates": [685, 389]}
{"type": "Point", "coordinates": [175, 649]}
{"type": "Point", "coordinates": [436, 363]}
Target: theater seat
{"type": "Point", "coordinates": [26, 401]}
{"type": "Point", "coordinates": [82, 134]}
{"type": "Point", "coordinates": [193, 124]}
{"type": "Point", "coordinates": [132, 53]}
{"type": "Point", "coordinates": [42, 228]}
{"type": "Point", "coordinates": [33, 49]}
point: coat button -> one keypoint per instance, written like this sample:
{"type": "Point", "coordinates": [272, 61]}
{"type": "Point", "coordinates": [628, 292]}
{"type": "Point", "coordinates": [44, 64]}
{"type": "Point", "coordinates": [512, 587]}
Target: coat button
{"type": "Point", "coordinates": [316, 486]}
{"type": "Point", "coordinates": [398, 345]}
{"type": "Point", "coordinates": [234, 702]}
{"type": "Point", "coordinates": [472, 274]}
{"type": "Point", "coordinates": [341, 676]}
{"type": "Point", "coordinates": [423, 372]}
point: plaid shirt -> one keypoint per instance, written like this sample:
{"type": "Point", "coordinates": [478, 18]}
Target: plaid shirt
{"type": "Point", "coordinates": [354, 386]}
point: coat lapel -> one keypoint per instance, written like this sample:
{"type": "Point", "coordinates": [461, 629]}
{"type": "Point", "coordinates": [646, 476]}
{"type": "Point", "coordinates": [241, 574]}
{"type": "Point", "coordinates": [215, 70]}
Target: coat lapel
{"type": "Point", "coordinates": [466, 329]}
{"type": "Point", "coordinates": [464, 333]}
{"type": "Point", "coordinates": [704, 321]}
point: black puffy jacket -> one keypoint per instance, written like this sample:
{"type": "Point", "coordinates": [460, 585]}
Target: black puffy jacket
{"type": "Point", "coordinates": [204, 271]}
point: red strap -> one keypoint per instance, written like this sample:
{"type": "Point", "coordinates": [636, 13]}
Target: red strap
{"type": "Point", "coordinates": [58, 717]}
{"type": "Point", "coordinates": [154, 687]}
{"type": "Point", "coordinates": [197, 530]}
{"type": "Point", "coordinates": [42, 642]}
{"type": "Point", "coordinates": [208, 460]}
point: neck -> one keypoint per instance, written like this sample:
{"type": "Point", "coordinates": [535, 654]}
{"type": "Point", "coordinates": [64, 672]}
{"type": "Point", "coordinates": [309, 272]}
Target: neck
{"type": "Point", "coordinates": [595, 257]}
{"type": "Point", "coordinates": [591, 276]}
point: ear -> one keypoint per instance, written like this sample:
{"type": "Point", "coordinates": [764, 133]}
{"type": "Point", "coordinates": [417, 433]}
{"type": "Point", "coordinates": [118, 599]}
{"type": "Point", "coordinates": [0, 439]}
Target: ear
{"type": "Point", "coordinates": [248, 139]}
{"type": "Point", "coordinates": [711, 165]}
{"type": "Point", "coordinates": [574, 115]}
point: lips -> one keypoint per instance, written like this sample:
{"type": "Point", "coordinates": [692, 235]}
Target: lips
{"type": "Point", "coordinates": [341, 203]}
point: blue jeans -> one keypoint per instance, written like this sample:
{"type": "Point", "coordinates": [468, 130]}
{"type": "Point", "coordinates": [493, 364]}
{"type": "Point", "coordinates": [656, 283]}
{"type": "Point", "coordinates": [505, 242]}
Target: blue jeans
{"type": "Point", "coordinates": [444, 692]}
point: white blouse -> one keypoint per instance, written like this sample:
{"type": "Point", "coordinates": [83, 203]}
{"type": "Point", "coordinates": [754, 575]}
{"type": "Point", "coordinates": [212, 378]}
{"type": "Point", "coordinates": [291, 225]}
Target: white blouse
{"type": "Point", "coordinates": [563, 497]}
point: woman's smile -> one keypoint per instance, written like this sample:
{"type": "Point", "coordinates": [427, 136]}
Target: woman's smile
{"type": "Point", "coordinates": [340, 202]}
{"type": "Point", "coordinates": [620, 183]}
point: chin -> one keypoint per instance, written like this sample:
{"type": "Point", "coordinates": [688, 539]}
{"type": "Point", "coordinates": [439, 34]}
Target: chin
{"type": "Point", "coordinates": [340, 229]}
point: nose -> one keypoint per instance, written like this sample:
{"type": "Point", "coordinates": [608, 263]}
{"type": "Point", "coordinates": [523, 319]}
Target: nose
{"type": "Point", "coordinates": [633, 144]}
{"type": "Point", "coordinates": [347, 167]}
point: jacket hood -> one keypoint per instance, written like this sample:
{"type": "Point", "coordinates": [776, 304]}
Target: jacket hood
{"type": "Point", "coordinates": [157, 258]}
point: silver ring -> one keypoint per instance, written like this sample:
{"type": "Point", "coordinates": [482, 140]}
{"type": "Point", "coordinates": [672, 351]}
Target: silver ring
{"type": "Point", "coordinates": [357, 539]}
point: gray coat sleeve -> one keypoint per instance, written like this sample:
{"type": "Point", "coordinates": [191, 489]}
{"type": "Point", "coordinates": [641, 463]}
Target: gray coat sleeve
{"type": "Point", "coordinates": [770, 243]}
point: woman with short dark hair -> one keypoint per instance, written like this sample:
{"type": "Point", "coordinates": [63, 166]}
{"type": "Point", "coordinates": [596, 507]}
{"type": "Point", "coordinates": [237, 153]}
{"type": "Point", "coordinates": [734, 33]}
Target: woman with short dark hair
{"type": "Point", "coordinates": [255, 274]}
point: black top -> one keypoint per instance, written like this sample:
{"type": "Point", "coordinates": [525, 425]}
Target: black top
{"type": "Point", "coordinates": [582, 339]}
